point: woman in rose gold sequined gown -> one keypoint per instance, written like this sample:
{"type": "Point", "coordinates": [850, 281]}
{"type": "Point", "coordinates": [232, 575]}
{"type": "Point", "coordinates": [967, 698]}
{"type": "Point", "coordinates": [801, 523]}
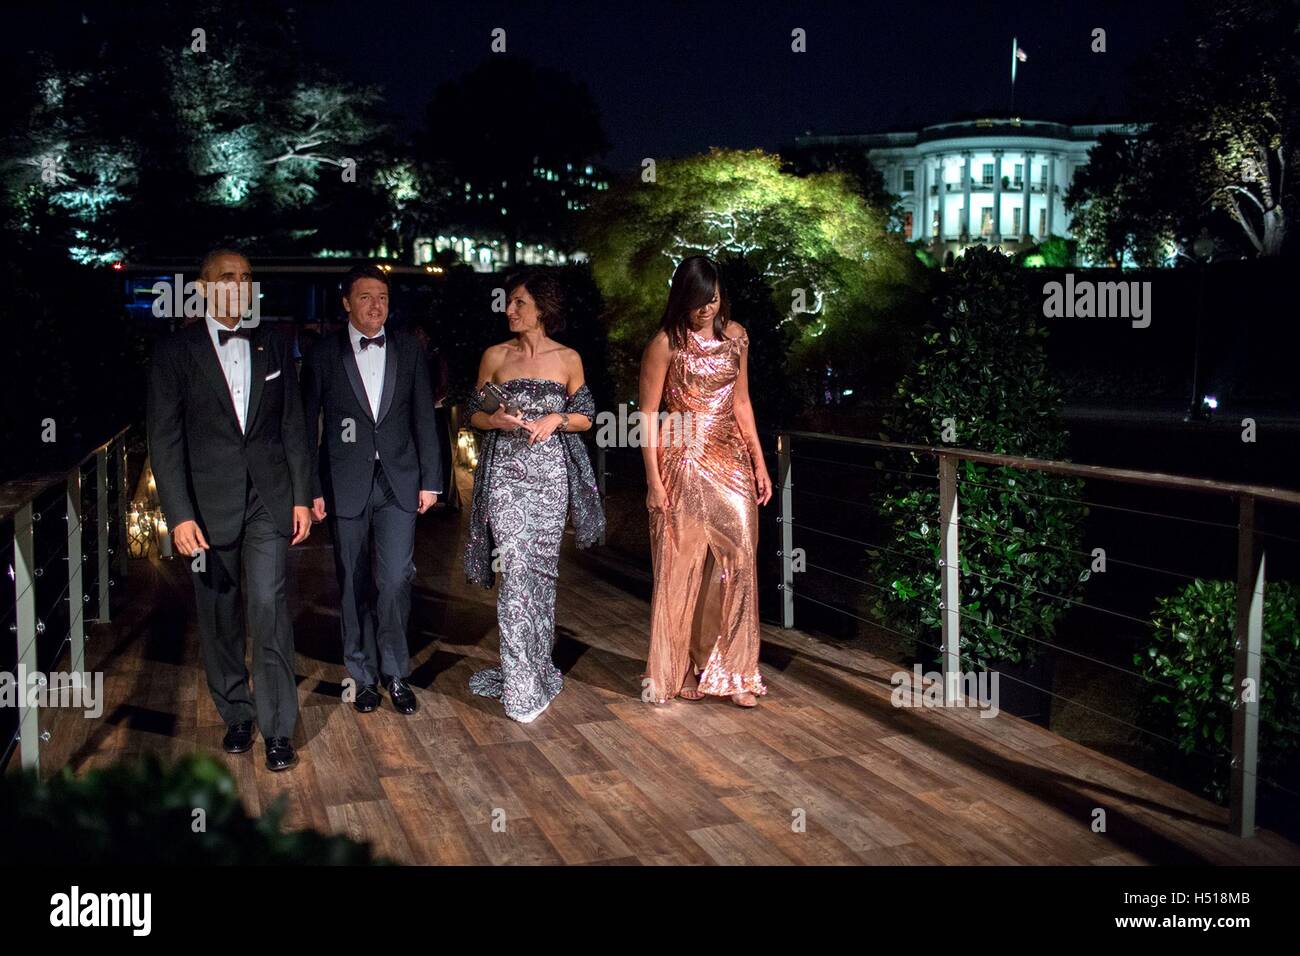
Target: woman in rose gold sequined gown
{"type": "Point", "coordinates": [705, 477]}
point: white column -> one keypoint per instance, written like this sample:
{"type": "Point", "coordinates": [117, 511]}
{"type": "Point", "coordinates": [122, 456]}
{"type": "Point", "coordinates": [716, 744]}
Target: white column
{"type": "Point", "coordinates": [1026, 230]}
{"type": "Point", "coordinates": [1051, 190]}
{"type": "Point", "coordinates": [936, 173]}
{"type": "Point", "coordinates": [922, 200]}
{"type": "Point", "coordinates": [966, 230]}
{"type": "Point", "coordinates": [996, 236]}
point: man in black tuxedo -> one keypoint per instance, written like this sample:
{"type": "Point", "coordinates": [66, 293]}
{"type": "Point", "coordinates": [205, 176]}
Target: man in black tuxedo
{"type": "Point", "coordinates": [233, 471]}
{"type": "Point", "coordinates": [367, 394]}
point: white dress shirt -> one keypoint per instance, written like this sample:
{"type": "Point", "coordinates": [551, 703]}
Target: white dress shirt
{"type": "Point", "coordinates": [237, 366]}
{"type": "Point", "coordinates": [370, 362]}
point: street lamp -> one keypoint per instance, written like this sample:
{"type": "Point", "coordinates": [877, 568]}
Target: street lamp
{"type": "Point", "coordinates": [1201, 405]}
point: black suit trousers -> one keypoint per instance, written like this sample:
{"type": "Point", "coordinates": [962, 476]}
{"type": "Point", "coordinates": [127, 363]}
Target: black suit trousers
{"type": "Point", "coordinates": [374, 557]}
{"type": "Point", "coordinates": [242, 589]}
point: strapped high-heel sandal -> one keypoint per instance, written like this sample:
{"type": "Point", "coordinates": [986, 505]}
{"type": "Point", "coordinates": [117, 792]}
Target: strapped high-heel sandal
{"type": "Point", "coordinates": [699, 694]}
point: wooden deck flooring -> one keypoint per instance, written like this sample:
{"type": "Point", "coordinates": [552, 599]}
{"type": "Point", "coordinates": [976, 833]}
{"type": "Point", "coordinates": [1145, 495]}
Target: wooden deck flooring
{"type": "Point", "coordinates": [603, 778]}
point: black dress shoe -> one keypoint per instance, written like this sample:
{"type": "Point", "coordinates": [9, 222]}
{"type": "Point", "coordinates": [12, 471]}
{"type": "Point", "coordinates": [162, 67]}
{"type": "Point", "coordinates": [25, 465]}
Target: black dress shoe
{"type": "Point", "coordinates": [402, 696]}
{"type": "Point", "coordinates": [239, 737]}
{"type": "Point", "coordinates": [367, 698]}
{"type": "Point", "coordinates": [280, 754]}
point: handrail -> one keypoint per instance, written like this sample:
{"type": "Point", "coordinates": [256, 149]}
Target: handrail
{"type": "Point", "coordinates": [1072, 469]}
{"type": "Point", "coordinates": [32, 486]}
{"type": "Point", "coordinates": [16, 502]}
{"type": "Point", "coordinates": [1248, 638]}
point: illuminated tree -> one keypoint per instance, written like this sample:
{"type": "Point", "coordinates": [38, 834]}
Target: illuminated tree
{"type": "Point", "coordinates": [1120, 213]}
{"type": "Point", "coordinates": [1224, 95]}
{"type": "Point", "coordinates": [1228, 98]}
{"type": "Point", "coordinates": [168, 138]}
{"type": "Point", "coordinates": [824, 253]}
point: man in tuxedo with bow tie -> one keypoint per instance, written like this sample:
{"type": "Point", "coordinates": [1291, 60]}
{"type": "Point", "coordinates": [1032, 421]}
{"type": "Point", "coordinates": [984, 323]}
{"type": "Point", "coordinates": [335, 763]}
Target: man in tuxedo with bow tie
{"type": "Point", "coordinates": [231, 463]}
{"type": "Point", "coordinates": [367, 394]}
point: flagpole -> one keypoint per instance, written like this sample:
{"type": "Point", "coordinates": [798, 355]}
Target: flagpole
{"type": "Point", "coordinates": [1015, 45]}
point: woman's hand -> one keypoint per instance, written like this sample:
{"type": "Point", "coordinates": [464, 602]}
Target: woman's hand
{"type": "Point", "coordinates": [542, 428]}
{"type": "Point", "coordinates": [656, 497]}
{"type": "Point", "coordinates": [762, 483]}
{"type": "Point", "coordinates": [506, 423]}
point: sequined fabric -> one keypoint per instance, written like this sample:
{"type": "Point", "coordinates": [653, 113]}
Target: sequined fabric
{"type": "Point", "coordinates": [586, 512]}
{"type": "Point", "coordinates": [704, 611]}
{"type": "Point", "coordinates": [521, 496]}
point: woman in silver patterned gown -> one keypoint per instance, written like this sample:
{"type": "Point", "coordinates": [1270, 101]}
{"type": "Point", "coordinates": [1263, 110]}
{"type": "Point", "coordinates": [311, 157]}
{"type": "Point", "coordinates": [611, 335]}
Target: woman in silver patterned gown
{"type": "Point", "coordinates": [533, 471]}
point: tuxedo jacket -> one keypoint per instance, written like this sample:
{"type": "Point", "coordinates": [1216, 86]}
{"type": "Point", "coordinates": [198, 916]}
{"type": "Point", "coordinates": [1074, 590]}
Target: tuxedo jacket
{"type": "Point", "coordinates": [405, 433]}
{"type": "Point", "coordinates": [201, 460]}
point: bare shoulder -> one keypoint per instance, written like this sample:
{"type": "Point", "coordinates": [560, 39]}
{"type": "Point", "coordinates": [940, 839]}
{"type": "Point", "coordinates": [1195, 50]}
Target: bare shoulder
{"type": "Point", "coordinates": [570, 357]}
{"type": "Point", "coordinates": [494, 355]}
{"type": "Point", "coordinates": [658, 346]}
{"type": "Point", "coordinates": [734, 330]}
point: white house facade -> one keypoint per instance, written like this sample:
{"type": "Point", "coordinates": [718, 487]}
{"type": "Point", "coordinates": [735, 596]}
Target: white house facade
{"type": "Point", "coordinates": [985, 181]}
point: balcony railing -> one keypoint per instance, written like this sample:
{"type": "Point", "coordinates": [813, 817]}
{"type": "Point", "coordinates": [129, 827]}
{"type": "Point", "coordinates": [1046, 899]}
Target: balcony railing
{"type": "Point", "coordinates": [948, 523]}
{"type": "Point", "coordinates": [56, 585]}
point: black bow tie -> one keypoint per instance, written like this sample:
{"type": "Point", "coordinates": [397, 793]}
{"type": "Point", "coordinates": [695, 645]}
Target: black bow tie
{"type": "Point", "coordinates": [377, 340]}
{"type": "Point", "coordinates": [225, 335]}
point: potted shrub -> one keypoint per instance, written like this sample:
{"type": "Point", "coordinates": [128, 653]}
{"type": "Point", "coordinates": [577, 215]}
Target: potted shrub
{"type": "Point", "coordinates": [983, 366]}
{"type": "Point", "coordinates": [1191, 649]}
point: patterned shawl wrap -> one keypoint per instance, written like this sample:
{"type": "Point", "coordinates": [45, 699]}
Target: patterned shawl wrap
{"type": "Point", "coordinates": [586, 513]}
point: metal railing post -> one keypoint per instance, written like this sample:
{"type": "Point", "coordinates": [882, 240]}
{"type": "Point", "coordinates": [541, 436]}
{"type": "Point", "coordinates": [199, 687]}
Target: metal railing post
{"type": "Point", "coordinates": [600, 477]}
{"type": "Point", "coordinates": [25, 631]}
{"type": "Point", "coordinates": [119, 508]}
{"type": "Point", "coordinates": [102, 611]}
{"type": "Point", "coordinates": [787, 530]}
{"type": "Point", "coordinates": [76, 606]}
{"type": "Point", "coordinates": [1245, 671]}
{"type": "Point", "coordinates": [949, 564]}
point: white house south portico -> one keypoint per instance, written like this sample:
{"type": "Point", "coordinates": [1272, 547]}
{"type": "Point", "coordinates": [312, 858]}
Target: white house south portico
{"type": "Point", "coordinates": [989, 181]}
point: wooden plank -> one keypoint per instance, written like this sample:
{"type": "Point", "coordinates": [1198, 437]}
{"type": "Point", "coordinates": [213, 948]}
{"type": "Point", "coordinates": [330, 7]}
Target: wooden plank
{"type": "Point", "coordinates": [577, 832]}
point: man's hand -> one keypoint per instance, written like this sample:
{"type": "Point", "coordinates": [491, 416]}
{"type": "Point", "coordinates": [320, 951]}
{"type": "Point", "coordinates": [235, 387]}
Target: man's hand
{"type": "Point", "coordinates": [189, 539]}
{"type": "Point", "coordinates": [301, 524]}
{"type": "Point", "coordinates": [318, 510]}
{"type": "Point", "coordinates": [427, 500]}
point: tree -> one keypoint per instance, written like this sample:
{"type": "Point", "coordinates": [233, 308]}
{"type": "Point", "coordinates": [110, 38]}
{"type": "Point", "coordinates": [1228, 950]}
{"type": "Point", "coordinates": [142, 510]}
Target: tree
{"type": "Point", "coordinates": [1225, 97]}
{"type": "Point", "coordinates": [866, 180]}
{"type": "Point", "coordinates": [161, 139]}
{"type": "Point", "coordinates": [1227, 94]}
{"type": "Point", "coordinates": [825, 254]}
{"type": "Point", "coordinates": [1121, 214]}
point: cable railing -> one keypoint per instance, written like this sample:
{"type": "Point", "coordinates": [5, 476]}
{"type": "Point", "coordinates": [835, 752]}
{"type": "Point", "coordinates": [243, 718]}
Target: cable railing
{"type": "Point", "coordinates": [958, 580]}
{"type": "Point", "coordinates": [90, 500]}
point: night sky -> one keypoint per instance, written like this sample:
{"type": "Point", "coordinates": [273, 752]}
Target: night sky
{"type": "Point", "coordinates": [676, 78]}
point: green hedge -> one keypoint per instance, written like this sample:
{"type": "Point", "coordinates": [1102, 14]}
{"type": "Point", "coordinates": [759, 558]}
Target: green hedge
{"type": "Point", "coordinates": [1191, 649]}
{"type": "Point", "coordinates": [143, 812]}
{"type": "Point", "coordinates": [983, 364]}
